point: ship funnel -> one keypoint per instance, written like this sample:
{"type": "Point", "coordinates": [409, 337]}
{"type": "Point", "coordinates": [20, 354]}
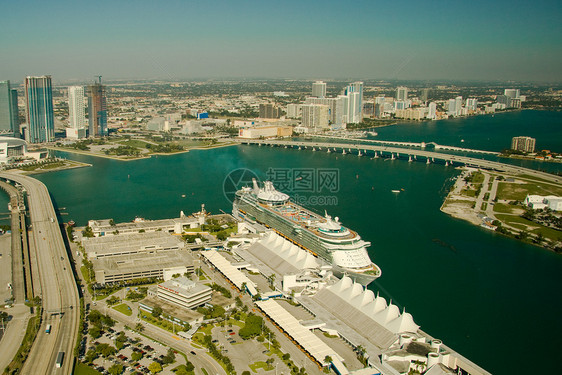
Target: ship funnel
{"type": "Point", "coordinates": [256, 187]}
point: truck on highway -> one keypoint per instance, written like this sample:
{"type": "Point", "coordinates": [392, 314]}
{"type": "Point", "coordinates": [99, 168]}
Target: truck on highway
{"type": "Point", "coordinates": [48, 329]}
{"type": "Point", "coordinates": [60, 358]}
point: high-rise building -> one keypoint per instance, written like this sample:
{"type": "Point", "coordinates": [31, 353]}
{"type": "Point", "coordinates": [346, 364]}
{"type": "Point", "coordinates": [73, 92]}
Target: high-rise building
{"type": "Point", "coordinates": [512, 93]}
{"type": "Point", "coordinates": [431, 111]}
{"type": "Point", "coordinates": [269, 110]}
{"type": "Point", "coordinates": [15, 113]}
{"type": "Point", "coordinates": [525, 144]}
{"type": "Point", "coordinates": [293, 110]}
{"type": "Point", "coordinates": [315, 116]}
{"type": "Point", "coordinates": [424, 95]}
{"type": "Point", "coordinates": [97, 110]}
{"type": "Point", "coordinates": [39, 109]}
{"type": "Point", "coordinates": [402, 93]}
{"type": "Point", "coordinates": [319, 89]}
{"type": "Point", "coordinates": [472, 104]}
{"type": "Point", "coordinates": [354, 111]}
{"type": "Point", "coordinates": [76, 114]}
{"type": "Point", "coordinates": [9, 117]}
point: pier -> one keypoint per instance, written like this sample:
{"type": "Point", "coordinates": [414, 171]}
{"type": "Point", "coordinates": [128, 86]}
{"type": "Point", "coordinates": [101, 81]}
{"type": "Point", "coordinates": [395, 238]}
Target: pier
{"type": "Point", "coordinates": [402, 153]}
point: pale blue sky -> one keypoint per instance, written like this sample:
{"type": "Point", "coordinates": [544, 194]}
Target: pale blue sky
{"type": "Point", "coordinates": [479, 40]}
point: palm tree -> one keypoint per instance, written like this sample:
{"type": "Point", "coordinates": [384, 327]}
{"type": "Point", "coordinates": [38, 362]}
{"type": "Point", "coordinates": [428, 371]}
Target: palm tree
{"type": "Point", "coordinates": [139, 327]}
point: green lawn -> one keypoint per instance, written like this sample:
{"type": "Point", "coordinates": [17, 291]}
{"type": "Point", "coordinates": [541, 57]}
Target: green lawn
{"type": "Point", "coordinates": [518, 192]}
{"type": "Point", "coordinates": [469, 193]}
{"type": "Point", "coordinates": [82, 369]}
{"type": "Point", "coordinates": [477, 178]}
{"type": "Point", "coordinates": [123, 309]}
{"type": "Point", "coordinates": [484, 206]}
{"type": "Point", "coordinates": [503, 208]}
{"type": "Point", "coordinates": [514, 219]}
{"type": "Point", "coordinates": [134, 143]}
{"type": "Point", "coordinates": [260, 364]}
{"type": "Point", "coordinates": [549, 233]}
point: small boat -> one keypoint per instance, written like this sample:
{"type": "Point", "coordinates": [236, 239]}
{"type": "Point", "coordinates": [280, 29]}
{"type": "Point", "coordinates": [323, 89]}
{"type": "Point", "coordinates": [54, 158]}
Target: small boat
{"type": "Point", "coordinates": [396, 191]}
{"type": "Point", "coordinates": [183, 195]}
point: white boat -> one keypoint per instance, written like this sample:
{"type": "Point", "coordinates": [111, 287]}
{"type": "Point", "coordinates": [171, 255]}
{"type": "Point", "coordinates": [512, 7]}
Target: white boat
{"type": "Point", "coordinates": [396, 191]}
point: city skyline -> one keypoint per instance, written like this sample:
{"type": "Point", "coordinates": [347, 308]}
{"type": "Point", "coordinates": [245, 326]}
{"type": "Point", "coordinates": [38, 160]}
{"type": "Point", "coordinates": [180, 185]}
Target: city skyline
{"type": "Point", "coordinates": [181, 40]}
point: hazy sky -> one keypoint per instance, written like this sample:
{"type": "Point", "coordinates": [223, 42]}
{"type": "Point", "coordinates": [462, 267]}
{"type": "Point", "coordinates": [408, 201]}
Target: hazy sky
{"type": "Point", "coordinates": [168, 39]}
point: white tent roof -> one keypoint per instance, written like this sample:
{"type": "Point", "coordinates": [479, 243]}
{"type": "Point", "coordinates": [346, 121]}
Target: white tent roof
{"type": "Point", "coordinates": [312, 344]}
{"type": "Point", "coordinates": [229, 271]}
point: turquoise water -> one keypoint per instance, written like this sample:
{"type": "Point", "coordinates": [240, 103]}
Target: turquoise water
{"type": "Point", "coordinates": [487, 132]}
{"type": "Point", "coordinates": [485, 295]}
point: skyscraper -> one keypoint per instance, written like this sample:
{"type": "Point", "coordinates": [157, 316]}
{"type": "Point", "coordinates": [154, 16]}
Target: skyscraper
{"type": "Point", "coordinates": [269, 110]}
{"type": "Point", "coordinates": [39, 109]}
{"type": "Point", "coordinates": [525, 144]}
{"type": "Point", "coordinates": [97, 110]}
{"type": "Point", "coordinates": [9, 124]}
{"type": "Point", "coordinates": [401, 93]}
{"type": "Point", "coordinates": [354, 112]}
{"type": "Point", "coordinates": [15, 113]}
{"type": "Point", "coordinates": [76, 113]}
{"type": "Point", "coordinates": [319, 89]}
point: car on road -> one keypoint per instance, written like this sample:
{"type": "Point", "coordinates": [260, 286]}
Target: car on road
{"type": "Point", "coordinates": [192, 352]}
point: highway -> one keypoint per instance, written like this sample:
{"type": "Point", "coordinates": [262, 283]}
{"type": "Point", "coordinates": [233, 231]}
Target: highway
{"type": "Point", "coordinates": [58, 289]}
{"type": "Point", "coordinates": [427, 155]}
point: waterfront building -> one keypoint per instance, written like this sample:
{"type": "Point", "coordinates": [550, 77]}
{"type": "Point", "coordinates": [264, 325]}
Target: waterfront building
{"type": "Point", "coordinates": [419, 113]}
{"type": "Point", "coordinates": [265, 132]}
{"type": "Point", "coordinates": [39, 109]}
{"type": "Point", "coordinates": [158, 264]}
{"type": "Point", "coordinates": [432, 111]}
{"type": "Point", "coordinates": [319, 89]}
{"type": "Point", "coordinates": [472, 104]}
{"type": "Point", "coordinates": [76, 113]}
{"type": "Point", "coordinates": [401, 93]}
{"type": "Point", "coordinates": [131, 244]}
{"type": "Point", "coordinates": [9, 121]}
{"type": "Point", "coordinates": [354, 108]}
{"type": "Point", "coordinates": [269, 110]}
{"type": "Point", "coordinates": [522, 143]}
{"type": "Point", "coordinates": [336, 108]}
{"type": "Point", "coordinates": [97, 110]}
{"type": "Point", "coordinates": [315, 116]}
{"type": "Point", "coordinates": [183, 292]}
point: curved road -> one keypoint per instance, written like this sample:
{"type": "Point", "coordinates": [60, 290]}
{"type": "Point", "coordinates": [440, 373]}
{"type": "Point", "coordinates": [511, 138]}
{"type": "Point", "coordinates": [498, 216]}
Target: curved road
{"type": "Point", "coordinates": [58, 288]}
{"type": "Point", "coordinates": [482, 163]}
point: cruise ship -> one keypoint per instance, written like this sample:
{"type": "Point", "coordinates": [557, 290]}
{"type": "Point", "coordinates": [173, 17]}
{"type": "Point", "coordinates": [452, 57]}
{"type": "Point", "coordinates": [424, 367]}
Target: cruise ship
{"type": "Point", "coordinates": [321, 235]}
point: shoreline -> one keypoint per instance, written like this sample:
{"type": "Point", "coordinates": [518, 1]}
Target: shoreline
{"type": "Point", "coordinates": [147, 156]}
{"type": "Point", "coordinates": [482, 208]}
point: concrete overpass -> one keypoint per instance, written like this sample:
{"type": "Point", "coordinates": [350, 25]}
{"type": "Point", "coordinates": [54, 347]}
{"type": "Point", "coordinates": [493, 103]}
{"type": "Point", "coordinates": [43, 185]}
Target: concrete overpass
{"type": "Point", "coordinates": [58, 289]}
{"type": "Point", "coordinates": [397, 152]}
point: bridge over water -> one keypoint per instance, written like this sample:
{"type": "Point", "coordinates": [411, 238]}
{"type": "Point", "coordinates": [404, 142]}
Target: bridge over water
{"type": "Point", "coordinates": [411, 144]}
{"type": "Point", "coordinates": [397, 152]}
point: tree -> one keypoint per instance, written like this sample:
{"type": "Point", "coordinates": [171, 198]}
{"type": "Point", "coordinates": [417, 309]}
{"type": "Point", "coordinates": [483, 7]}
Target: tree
{"type": "Point", "coordinates": [139, 327]}
{"type": "Point", "coordinates": [95, 332]}
{"type": "Point", "coordinates": [156, 311]}
{"type": "Point", "coordinates": [286, 356]}
{"type": "Point", "coordinates": [136, 356]}
{"type": "Point", "coordinates": [327, 359]}
{"type": "Point", "coordinates": [155, 367]}
{"type": "Point", "coordinates": [115, 369]}
{"type": "Point", "coordinates": [119, 344]}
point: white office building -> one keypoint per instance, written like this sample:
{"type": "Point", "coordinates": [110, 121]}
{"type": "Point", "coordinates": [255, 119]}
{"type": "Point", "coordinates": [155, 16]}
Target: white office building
{"type": "Point", "coordinates": [319, 89]}
{"type": "Point", "coordinates": [183, 292]}
{"type": "Point", "coordinates": [76, 113]}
